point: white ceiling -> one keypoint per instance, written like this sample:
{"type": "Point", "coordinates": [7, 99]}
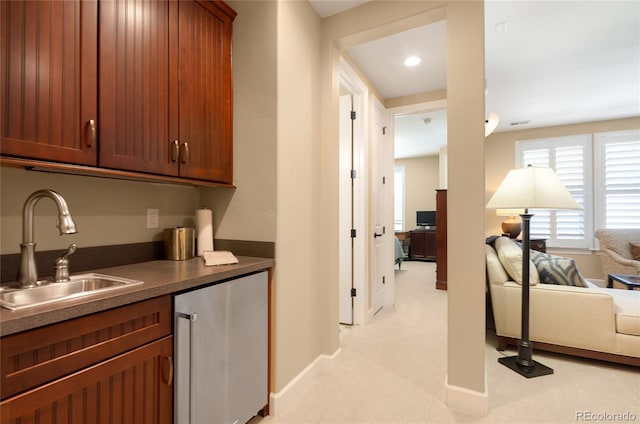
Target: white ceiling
{"type": "Point", "coordinates": [546, 63]}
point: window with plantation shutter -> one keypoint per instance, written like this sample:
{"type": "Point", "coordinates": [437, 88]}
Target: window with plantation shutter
{"type": "Point", "coordinates": [570, 158]}
{"type": "Point", "coordinates": [617, 175]}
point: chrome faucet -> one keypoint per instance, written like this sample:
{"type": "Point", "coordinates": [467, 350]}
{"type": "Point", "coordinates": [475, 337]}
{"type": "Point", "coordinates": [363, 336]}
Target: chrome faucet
{"type": "Point", "coordinates": [28, 273]}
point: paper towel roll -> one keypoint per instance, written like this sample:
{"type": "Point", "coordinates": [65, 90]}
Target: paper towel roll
{"type": "Point", "coordinates": [204, 229]}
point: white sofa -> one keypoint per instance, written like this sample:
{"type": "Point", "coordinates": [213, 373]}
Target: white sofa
{"type": "Point", "coordinates": [588, 321]}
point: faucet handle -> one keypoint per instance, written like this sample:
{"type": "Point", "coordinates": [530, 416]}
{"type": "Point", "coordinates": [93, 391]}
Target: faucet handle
{"type": "Point", "coordinates": [72, 248]}
{"type": "Point", "coordinates": [62, 264]}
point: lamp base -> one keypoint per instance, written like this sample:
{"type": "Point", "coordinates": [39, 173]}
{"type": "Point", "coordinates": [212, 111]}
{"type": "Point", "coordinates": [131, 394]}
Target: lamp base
{"type": "Point", "coordinates": [536, 370]}
{"type": "Point", "coordinates": [513, 229]}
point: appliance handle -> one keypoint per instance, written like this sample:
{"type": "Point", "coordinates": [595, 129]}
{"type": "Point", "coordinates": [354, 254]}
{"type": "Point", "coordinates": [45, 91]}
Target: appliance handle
{"type": "Point", "coordinates": [191, 317]}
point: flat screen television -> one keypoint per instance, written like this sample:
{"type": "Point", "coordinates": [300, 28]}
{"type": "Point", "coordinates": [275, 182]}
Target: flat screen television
{"type": "Point", "coordinates": [426, 218]}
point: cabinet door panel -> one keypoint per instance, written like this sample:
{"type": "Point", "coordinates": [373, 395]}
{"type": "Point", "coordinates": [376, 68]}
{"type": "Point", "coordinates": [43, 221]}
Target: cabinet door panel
{"type": "Point", "coordinates": [135, 87]}
{"type": "Point", "coordinates": [48, 86]}
{"type": "Point", "coordinates": [130, 388]}
{"type": "Point", "coordinates": [205, 101]}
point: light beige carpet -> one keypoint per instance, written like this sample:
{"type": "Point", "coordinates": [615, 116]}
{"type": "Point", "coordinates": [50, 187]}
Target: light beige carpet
{"type": "Point", "coordinates": [393, 371]}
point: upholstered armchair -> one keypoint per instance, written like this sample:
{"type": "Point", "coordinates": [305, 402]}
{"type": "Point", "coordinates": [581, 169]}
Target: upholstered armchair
{"type": "Point", "coordinates": [615, 251]}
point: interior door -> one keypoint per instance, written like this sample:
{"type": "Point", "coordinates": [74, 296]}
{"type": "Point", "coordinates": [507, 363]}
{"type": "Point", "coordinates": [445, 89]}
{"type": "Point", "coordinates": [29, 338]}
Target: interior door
{"type": "Point", "coordinates": [382, 287]}
{"type": "Point", "coordinates": [346, 211]}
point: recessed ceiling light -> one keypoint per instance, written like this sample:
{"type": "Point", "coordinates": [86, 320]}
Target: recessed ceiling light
{"type": "Point", "coordinates": [501, 26]}
{"type": "Point", "coordinates": [412, 61]}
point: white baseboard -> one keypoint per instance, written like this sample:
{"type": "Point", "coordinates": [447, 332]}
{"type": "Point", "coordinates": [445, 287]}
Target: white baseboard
{"type": "Point", "coordinates": [281, 402]}
{"type": "Point", "coordinates": [466, 400]}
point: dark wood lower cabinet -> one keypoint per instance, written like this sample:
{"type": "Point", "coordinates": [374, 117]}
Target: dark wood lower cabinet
{"type": "Point", "coordinates": [134, 387]}
{"type": "Point", "coordinates": [114, 366]}
{"type": "Point", "coordinates": [441, 239]}
{"type": "Point", "coordinates": [423, 245]}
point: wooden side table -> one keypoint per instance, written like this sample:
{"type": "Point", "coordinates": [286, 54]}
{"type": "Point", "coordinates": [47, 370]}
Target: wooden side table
{"type": "Point", "coordinates": [630, 281]}
{"type": "Point", "coordinates": [537, 244]}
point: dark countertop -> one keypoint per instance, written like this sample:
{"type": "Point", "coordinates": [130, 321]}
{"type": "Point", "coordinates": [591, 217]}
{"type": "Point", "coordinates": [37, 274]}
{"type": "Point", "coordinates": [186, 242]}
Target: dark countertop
{"type": "Point", "coordinates": [160, 278]}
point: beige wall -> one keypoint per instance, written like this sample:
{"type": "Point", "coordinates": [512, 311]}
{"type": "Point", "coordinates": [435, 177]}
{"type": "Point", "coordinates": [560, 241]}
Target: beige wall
{"type": "Point", "coordinates": [465, 204]}
{"type": "Point", "coordinates": [301, 305]}
{"type": "Point", "coordinates": [106, 211]}
{"type": "Point", "coordinates": [421, 180]}
{"type": "Point", "coordinates": [500, 158]}
{"type": "Point", "coordinates": [249, 211]}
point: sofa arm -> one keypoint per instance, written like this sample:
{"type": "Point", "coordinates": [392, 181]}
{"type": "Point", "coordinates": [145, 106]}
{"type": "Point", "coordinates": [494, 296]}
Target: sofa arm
{"type": "Point", "coordinates": [616, 257]}
{"type": "Point", "coordinates": [613, 263]}
{"type": "Point", "coordinates": [561, 315]}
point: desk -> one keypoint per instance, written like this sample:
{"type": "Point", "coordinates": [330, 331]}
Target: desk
{"type": "Point", "coordinates": [631, 281]}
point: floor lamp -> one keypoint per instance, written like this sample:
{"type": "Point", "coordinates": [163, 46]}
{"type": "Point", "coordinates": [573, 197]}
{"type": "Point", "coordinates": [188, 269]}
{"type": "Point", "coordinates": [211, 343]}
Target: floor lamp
{"type": "Point", "coordinates": [529, 188]}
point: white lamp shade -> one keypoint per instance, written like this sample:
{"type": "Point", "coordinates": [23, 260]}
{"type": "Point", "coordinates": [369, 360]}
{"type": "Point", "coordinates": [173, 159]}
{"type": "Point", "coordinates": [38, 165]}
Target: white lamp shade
{"type": "Point", "coordinates": [509, 212]}
{"type": "Point", "coordinates": [532, 188]}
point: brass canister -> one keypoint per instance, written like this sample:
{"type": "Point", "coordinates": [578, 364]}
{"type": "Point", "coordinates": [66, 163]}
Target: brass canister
{"type": "Point", "coordinates": [179, 243]}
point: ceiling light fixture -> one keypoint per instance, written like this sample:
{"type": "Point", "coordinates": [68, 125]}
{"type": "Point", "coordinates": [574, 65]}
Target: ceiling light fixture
{"type": "Point", "coordinates": [412, 61]}
{"type": "Point", "coordinates": [491, 123]}
{"type": "Point", "coordinates": [501, 26]}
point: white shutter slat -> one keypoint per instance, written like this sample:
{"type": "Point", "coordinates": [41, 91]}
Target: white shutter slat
{"type": "Point", "coordinates": [570, 158]}
{"type": "Point", "coordinates": [621, 183]}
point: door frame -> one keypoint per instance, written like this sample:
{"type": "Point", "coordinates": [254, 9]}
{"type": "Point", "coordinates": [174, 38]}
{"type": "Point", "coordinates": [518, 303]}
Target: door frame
{"type": "Point", "coordinates": [360, 93]}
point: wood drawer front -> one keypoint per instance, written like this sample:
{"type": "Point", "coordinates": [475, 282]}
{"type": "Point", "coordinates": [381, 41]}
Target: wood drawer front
{"type": "Point", "coordinates": [34, 357]}
{"type": "Point", "coordinates": [135, 387]}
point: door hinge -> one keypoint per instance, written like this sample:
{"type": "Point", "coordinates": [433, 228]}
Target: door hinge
{"type": "Point", "coordinates": [353, 174]}
{"type": "Point", "coordinates": [353, 292]}
{"type": "Point", "coordinates": [353, 115]}
{"type": "Point", "coordinates": [353, 233]}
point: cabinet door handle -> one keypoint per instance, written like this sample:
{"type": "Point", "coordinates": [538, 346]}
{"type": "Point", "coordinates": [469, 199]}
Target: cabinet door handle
{"type": "Point", "coordinates": [168, 371]}
{"type": "Point", "coordinates": [185, 152]}
{"type": "Point", "coordinates": [375, 235]}
{"type": "Point", "coordinates": [92, 132]}
{"type": "Point", "coordinates": [175, 150]}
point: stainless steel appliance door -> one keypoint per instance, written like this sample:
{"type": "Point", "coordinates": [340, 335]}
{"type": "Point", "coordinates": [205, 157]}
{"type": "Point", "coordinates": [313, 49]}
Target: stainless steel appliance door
{"type": "Point", "coordinates": [220, 337]}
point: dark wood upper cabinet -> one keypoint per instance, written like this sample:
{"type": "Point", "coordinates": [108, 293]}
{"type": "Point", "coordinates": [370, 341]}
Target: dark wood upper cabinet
{"type": "Point", "coordinates": [135, 86]}
{"type": "Point", "coordinates": [205, 98]}
{"type": "Point", "coordinates": [138, 85]}
{"type": "Point", "coordinates": [48, 80]}
{"type": "Point", "coordinates": [165, 88]}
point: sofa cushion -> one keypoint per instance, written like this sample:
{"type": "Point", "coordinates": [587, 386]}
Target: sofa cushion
{"type": "Point", "coordinates": [495, 270]}
{"type": "Point", "coordinates": [628, 324]}
{"type": "Point", "coordinates": [557, 270]}
{"type": "Point", "coordinates": [635, 251]}
{"type": "Point", "coordinates": [510, 255]}
{"type": "Point", "coordinates": [626, 304]}
{"type": "Point", "coordinates": [627, 307]}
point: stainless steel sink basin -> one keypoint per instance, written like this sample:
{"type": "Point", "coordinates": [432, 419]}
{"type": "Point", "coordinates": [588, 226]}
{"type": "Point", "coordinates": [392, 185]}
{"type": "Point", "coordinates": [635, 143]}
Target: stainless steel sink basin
{"type": "Point", "coordinates": [49, 291]}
